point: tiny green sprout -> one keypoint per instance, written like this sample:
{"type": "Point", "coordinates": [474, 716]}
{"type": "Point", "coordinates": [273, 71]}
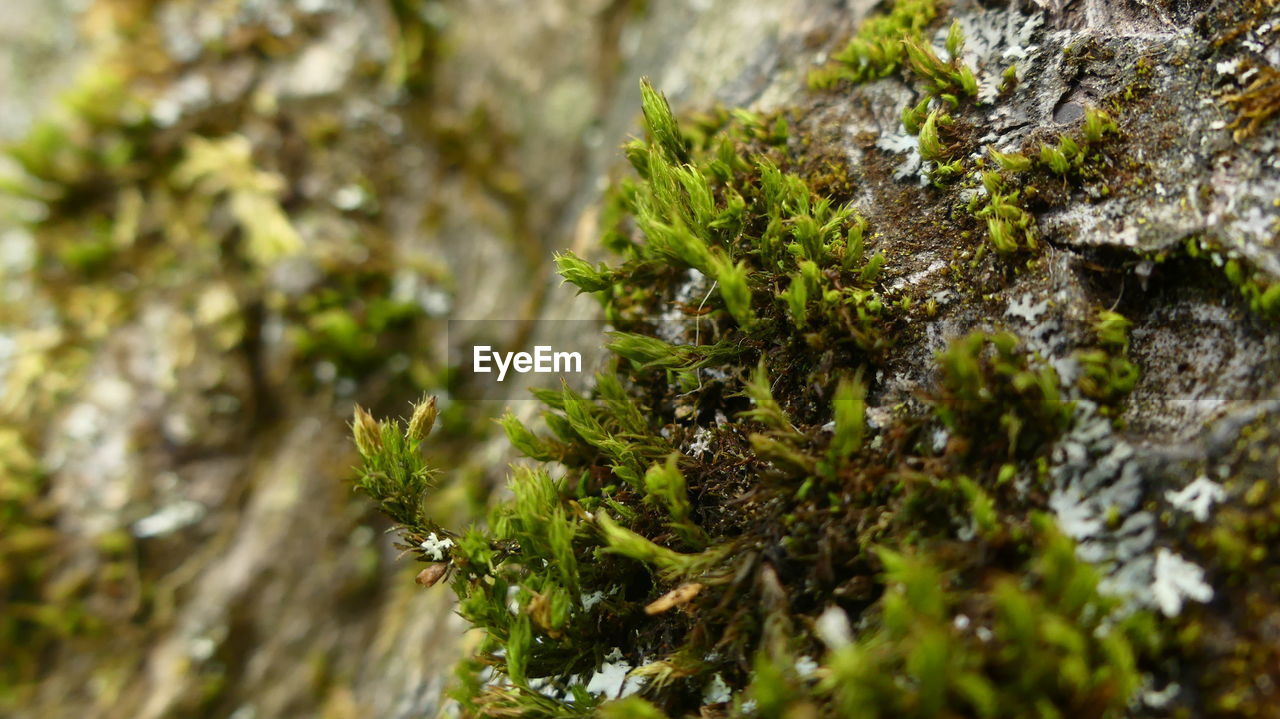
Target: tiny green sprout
{"type": "Point", "coordinates": [853, 247]}
{"type": "Point", "coordinates": [732, 279]}
{"type": "Point", "coordinates": [751, 122]}
{"type": "Point", "coordinates": [662, 123]}
{"type": "Point", "coordinates": [809, 236]}
{"type": "Point", "coordinates": [581, 274]}
{"type": "Point", "coordinates": [1009, 77]}
{"type": "Point", "coordinates": [681, 244]}
{"type": "Point", "coordinates": [650, 351]}
{"type": "Point", "coordinates": [981, 507]}
{"type": "Point", "coordinates": [637, 153]}
{"type": "Point", "coordinates": [871, 270]}
{"type": "Point", "coordinates": [967, 82]}
{"type": "Point", "coordinates": [955, 39]}
{"type": "Point", "coordinates": [670, 563]}
{"type": "Point", "coordinates": [524, 440]}
{"type": "Point", "coordinates": [926, 63]}
{"type": "Point", "coordinates": [1112, 329]}
{"type": "Point", "coordinates": [1097, 123]}
{"type": "Point", "coordinates": [1269, 300]}
{"type": "Point", "coordinates": [930, 146]}
{"type": "Point", "coordinates": [1001, 234]}
{"type": "Point", "coordinates": [1070, 148]}
{"type": "Point", "coordinates": [782, 454]}
{"type": "Point", "coordinates": [1232, 270]}
{"type": "Point", "coordinates": [812, 275]}
{"type": "Point", "coordinates": [992, 182]}
{"type": "Point", "coordinates": [780, 131]}
{"type": "Point", "coordinates": [395, 475]}
{"type": "Point", "coordinates": [796, 297]}
{"type": "Point", "coordinates": [1012, 162]}
{"type": "Point", "coordinates": [1007, 472]}
{"type": "Point", "coordinates": [849, 407]}
{"type": "Point", "coordinates": [1052, 158]}
{"type": "Point", "coordinates": [665, 484]}
{"type": "Point", "coordinates": [947, 171]}
{"type": "Point", "coordinates": [914, 116]}
{"type": "Point", "coordinates": [767, 411]}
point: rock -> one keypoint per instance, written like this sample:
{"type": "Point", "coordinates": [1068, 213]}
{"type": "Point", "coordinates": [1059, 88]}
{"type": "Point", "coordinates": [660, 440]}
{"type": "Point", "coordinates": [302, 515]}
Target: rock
{"type": "Point", "coordinates": [195, 546]}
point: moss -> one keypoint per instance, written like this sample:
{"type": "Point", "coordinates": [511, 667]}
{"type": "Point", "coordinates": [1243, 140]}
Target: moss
{"type": "Point", "coordinates": [1057, 656]}
{"type": "Point", "coordinates": [1227, 657]}
{"type": "Point", "coordinates": [708, 574]}
{"type": "Point", "coordinates": [1257, 288]}
{"type": "Point", "coordinates": [880, 45]}
{"type": "Point", "coordinates": [1106, 373]}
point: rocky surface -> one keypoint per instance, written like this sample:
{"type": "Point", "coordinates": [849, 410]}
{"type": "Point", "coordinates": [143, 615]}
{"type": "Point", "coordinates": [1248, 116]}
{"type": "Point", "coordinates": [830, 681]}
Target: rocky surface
{"type": "Point", "coordinates": [177, 385]}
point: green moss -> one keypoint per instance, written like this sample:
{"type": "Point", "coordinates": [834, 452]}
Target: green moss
{"type": "Point", "coordinates": [1000, 205]}
{"type": "Point", "coordinates": [1228, 658]}
{"type": "Point", "coordinates": [989, 383]}
{"type": "Point", "coordinates": [1057, 656]}
{"type": "Point", "coordinates": [1259, 290]}
{"type": "Point", "coordinates": [880, 45]}
{"type": "Point", "coordinates": [713, 568]}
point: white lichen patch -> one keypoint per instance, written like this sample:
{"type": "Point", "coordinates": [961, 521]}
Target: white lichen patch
{"type": "Point", "coordinates": [833, 628]}
{"type": "Point", "coordinates": [1097, 497]}
{"type": "Point", "coordinates": [701, 443]}
{"type": "Point", "coordinates": [915, 278]}
{"type": "Point", "coordinates": [716, 691]}
{"type": "Point", "coordinates": [901, 143]}
{"type": "Point", "coordinates": [993, 40]}
{"type": "Point", "coordinates": [592, 599]}
{"type": "Point", "coordinates": [436, 547]}
{"type": "Point", "coordinates": [1026, 308]}
{"type": "Point", "coordinates": [1177, 579]}
{"type": "Point", "coordinates": [611, 680]}
{"type": "Point", "coordinates": [1159, 699]}
{"type": "Point", "coordinates": [169, 519]}
{"type": "Point", "coordinates": [1197, 498]}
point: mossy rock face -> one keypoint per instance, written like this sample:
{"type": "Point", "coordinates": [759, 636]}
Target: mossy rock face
{"type": "Point", "coordinates": [931, 392]}
{"type": "Point", "coordinates": [916, 439]}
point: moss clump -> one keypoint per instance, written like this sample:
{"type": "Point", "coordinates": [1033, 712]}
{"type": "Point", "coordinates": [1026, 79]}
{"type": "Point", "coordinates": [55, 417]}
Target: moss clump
{"type": "Point", "coordinates": [1228, 657]}
{"type": "Point", "coordinates": [880, 46]}
{"type": "Point", "coordinates": [39, 610]}
{"type": "Point", "coordinates": [1258, 289]}
{"type": "Point", "coordinates": [989, 384]}
{"type": "Point", "coordinates": [708, 560]}
{"type": "Point", "coordinates": [776, 253]}
{"type": "Point", "coordinates": [1057, 655]}
{"type": "Point", "coordinates": [1073, 157]}
{"type": "Point", "coordinates": [1106, 373]}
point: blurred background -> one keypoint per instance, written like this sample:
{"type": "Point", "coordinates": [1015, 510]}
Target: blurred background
{"type": "Point", "coordinates": [223, 223]}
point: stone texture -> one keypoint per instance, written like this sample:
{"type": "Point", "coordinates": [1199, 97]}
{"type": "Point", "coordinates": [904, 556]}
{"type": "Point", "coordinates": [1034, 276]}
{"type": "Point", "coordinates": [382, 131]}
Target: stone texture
{"type": "Point", "coordinates": [269, 592]}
